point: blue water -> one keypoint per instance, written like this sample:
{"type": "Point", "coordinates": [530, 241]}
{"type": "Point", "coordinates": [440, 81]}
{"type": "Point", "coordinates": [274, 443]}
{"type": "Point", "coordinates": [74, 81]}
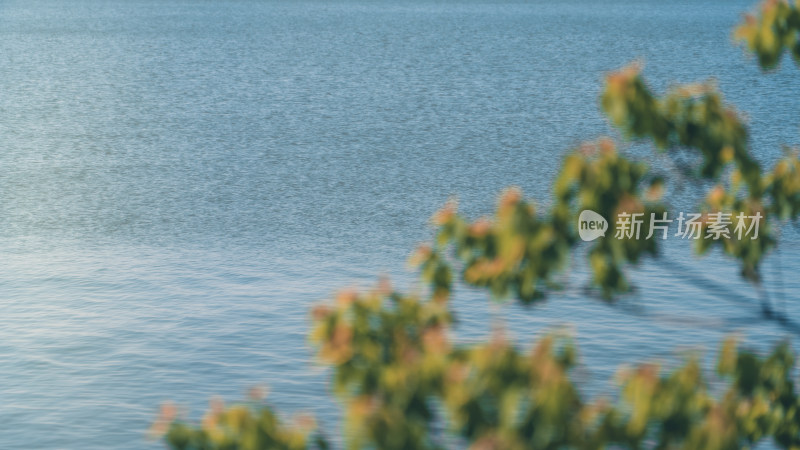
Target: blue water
{"type": "Point", "coordinates": [180, 181]}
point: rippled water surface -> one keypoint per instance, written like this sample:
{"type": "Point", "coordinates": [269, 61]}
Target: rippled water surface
{"type": "Point", "coordinates": [180, 181]}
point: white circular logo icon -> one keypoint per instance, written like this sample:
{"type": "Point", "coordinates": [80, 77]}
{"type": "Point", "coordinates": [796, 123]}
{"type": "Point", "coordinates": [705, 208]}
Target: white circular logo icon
{"type": "Point", "coordinates": [591, 225]}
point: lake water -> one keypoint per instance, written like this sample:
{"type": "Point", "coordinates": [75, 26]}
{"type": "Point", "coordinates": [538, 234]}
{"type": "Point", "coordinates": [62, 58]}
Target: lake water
{"type": "Point", "coordinates": [180, 181]}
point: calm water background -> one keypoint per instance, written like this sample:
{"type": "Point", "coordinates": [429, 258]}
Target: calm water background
{"type": "Point", "coordinates": [180, 181]}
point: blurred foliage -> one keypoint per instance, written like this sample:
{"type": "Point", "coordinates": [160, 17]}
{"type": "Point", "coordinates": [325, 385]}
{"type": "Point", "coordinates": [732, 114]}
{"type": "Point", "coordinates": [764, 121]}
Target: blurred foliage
{"type": "Point", "coordinates": [517, 253]}
{"type": "Point", "coordinates": [404, 383]}
{"type": "Point", "coordinates": [770, 32]}
{"type": "Point", "coordinates": [690, 116]}
{"type": "Point", "coordinates": [243, 427]}
{"type": "Point", "coordinates": [389, 352]}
